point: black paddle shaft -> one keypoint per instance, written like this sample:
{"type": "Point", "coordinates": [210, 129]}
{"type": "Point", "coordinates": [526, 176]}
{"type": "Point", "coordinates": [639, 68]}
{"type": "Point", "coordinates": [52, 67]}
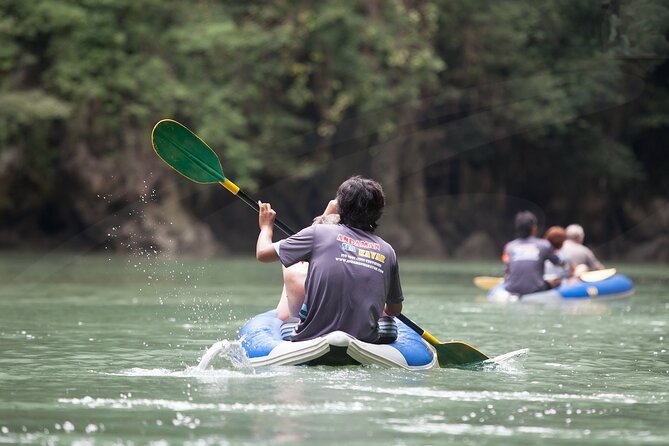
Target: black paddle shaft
{"type": "Point", "coordinates": [411, 324]}
{"type": "Point", "coordinates": [254, 204]}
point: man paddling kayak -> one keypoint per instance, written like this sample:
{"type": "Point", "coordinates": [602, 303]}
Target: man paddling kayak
{"type": "Point", "coordinates": [353, 276]}
{"type": "Point", "coordinates": [525, 257]}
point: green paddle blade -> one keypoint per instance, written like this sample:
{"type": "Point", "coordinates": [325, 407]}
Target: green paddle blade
{"type": "Point", "coordinates": [457, 354]}
{"type": "Point", "coordinates": [186, 153]}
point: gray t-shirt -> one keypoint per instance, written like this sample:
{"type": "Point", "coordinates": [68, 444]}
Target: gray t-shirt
{"type": "Point", "coordinates": [525, 259]}
{"type": "Point", "coordinates": [579, 254]}
{"type": "Point", "coordinates": [352, 274]}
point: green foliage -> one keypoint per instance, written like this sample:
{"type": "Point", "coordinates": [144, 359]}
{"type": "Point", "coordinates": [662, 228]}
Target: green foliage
{"type": "Point", "coordinates": [553, 75]}
{"type": "Point", "coordinates": [269, 83]}
{"type": "Point", "coordinates": [22, 110]}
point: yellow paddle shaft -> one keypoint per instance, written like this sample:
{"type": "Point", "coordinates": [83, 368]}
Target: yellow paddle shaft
{"type": "Point", "coordinates": [429, 338]}
{"type": "Point", "coordinates": [229, 185]}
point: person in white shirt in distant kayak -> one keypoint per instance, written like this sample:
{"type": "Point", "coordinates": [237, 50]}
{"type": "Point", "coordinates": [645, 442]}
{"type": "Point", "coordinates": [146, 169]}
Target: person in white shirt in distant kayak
{"type": "Point", "coordinates": [352, 282]}
{"type": "Point", "coordinates": [578, 254]}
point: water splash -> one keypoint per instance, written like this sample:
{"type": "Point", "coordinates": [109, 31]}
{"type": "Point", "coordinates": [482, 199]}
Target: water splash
{"type": "Point", "coordinates": [508, 362]}
{"type": "Point", "coordinates": [230, 350]}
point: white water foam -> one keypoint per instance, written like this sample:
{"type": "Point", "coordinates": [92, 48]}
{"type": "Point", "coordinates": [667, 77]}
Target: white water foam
{"type": "Point", "coordinates": [231, 350]}
{"type": "Point", "coordinates": [287, 407]}
{"type": "Point", "coordinates": [508, 362]}
{"type": "Point", "coordinates": [476, 396]}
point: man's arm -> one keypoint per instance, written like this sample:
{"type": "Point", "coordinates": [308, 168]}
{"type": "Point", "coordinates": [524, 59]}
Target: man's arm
{"type": "Point", "coordinates": [592, 261]}
{"type": "Point", "coordinates": [552, 256]}
{"type": "Point", "coordinates": [331, 208]}
{"type": "Point", "coordinates": [265, 251]}
{"type": "Point", "coordinates": [393, 309]}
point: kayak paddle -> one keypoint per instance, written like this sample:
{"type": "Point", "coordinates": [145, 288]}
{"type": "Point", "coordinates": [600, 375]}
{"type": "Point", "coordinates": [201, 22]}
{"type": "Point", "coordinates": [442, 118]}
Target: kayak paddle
{"type": "Point", "coordinates": [449, 354]}
{"type": "Point", "coordinates": [597, 275]}
{"type": "Point", "coordinates": [189, 155]}
{"type": "Point", "coordinates": [487, 283]}
{"type": "Point", "coordinates": [186, 153]}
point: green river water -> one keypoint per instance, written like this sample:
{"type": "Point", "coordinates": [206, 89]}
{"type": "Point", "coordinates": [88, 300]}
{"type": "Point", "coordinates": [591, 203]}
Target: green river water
{"type": "Point", "coordinates": [97, 350]}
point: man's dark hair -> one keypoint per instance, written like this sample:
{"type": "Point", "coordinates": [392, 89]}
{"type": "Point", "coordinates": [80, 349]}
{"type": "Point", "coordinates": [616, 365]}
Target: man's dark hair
{"type": "Point", "coordinates": [360, 202]}
{"type": "Point", "coordinates": [525, 221]}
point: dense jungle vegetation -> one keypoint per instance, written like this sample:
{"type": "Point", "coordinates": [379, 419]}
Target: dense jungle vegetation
{"type": "Point", "coordinates": [466, 110]}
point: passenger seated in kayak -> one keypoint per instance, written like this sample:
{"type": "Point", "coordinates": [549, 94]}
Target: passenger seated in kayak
{"type": "Point", "coordinates": [580, 255]}
{"type": "Point", "coordinates": [352, 277]}
{"type": "Point", "coordinates": [525, 257]}
{"type": "Point", "coordinates": [292, 295]}
{"type": "Point", "coordinates": [556, 274]}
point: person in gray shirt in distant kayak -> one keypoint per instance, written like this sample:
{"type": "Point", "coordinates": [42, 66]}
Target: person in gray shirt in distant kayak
{"type": "Point", "coordinates": [580, 255]}
{"type": "Point", "coordinates": [353, 276]}
{"type": "Point", "coordinates": [525, 257]}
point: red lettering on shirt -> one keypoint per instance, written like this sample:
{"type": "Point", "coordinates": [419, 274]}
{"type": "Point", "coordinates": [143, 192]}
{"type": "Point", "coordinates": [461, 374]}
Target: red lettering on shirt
{"type": "Point", "coordinates": [359, 243]}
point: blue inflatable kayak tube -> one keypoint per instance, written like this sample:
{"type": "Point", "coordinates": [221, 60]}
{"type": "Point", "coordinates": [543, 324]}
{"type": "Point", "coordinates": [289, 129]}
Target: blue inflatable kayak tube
{"type": "Point", "coordinates": [614, 288]}
{"type": "Point", "coordinates": [262, 342]}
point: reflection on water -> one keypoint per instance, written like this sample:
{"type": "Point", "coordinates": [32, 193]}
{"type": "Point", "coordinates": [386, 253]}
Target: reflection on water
{"type": "Point", "coordinates": [100, 351]}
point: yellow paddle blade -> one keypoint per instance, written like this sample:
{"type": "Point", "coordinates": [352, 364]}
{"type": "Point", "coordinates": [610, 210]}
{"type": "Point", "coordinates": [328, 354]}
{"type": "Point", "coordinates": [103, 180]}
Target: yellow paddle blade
{"type": "Point", "coordinates": [487, 282]}
{"type": "Point", "coordinates": [596, 276]}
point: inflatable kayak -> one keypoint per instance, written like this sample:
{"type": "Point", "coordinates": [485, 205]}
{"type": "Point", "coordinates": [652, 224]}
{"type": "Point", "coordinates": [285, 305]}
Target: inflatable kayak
{"type": "Point", "coordinates": [261, 339]}
{"type": "Point", "coordinates": [615, 287]}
